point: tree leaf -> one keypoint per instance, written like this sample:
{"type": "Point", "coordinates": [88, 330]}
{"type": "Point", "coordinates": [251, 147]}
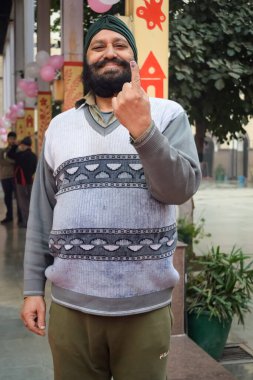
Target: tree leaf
{"type": "Point", "coordinates": [219, 84]}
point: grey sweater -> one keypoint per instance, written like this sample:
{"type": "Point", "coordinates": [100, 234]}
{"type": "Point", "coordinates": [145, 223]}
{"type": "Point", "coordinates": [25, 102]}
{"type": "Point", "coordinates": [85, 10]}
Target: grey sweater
{"type": "Point", "coordinates": [102, 223]}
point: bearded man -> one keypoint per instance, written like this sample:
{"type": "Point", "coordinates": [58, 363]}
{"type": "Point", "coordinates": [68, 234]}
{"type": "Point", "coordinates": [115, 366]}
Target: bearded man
{"type": "Point", "coordinates": [110, 176]}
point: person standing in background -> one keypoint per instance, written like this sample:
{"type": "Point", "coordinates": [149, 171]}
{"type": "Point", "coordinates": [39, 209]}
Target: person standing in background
{"type": "Point", "coordinates": [7, 177]}
{"type": "Point", "coordinates": [25, 167]}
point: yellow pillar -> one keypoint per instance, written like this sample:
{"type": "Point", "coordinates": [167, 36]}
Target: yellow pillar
{"type": "Point", "coordinates": [151, 31]}
{"type": "Point", "coordinates": [44, 94]}
{"type": "Point", "coordinates": [20, 128]}
{"type": "Point", "coordinates": [29, 122]}
{"type": "Point", "coordinates": [72, 38]}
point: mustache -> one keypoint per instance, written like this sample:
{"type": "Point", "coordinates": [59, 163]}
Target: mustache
{"type": "Point", "coordinates": [118, 61]}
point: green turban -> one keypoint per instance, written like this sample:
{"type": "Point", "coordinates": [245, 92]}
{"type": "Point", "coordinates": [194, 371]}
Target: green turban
{"type": "Point", "coordinates": [113, 23]}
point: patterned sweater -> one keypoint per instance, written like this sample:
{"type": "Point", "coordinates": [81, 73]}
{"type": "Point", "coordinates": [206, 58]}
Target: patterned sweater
{"type": "Point", "coordinates": [106, 208]}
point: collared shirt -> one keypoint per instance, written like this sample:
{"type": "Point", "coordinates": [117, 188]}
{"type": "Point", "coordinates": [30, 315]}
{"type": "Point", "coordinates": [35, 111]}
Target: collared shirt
{"type": "Point", "coordinates": [89, 100]}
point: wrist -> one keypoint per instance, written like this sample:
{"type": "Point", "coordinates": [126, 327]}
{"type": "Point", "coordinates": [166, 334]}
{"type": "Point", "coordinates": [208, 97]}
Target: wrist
{"type": "Point", "coordinates": [143, 135]}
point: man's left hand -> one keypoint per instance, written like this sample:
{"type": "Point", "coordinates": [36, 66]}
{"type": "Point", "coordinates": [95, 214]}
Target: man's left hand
{"type": "Point", "coordinates": [131, 106]}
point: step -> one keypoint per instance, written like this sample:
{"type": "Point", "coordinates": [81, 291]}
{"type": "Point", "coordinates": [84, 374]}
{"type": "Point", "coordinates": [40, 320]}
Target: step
{"type": "Point", "coordinates": [187, 361]}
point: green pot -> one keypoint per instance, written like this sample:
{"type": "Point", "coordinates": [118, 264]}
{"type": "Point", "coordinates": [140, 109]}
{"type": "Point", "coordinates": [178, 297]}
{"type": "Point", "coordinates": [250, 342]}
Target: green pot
{"type": "Point", "coordinates": [209, 334]}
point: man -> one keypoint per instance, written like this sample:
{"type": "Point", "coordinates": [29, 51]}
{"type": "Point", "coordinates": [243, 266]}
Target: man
{"type": "Point", "coordinates": [25, 167]}
{"type": "Point", "coordinates": [110, 175]}
{"type": "Point", "coordinates": [7, 177]}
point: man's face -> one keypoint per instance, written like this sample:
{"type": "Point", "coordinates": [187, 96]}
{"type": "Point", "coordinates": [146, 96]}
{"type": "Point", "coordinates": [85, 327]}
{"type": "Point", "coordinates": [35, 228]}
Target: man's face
{"type": "Point", "coordinates": [11, 140]}
{"type": "Point", "coordinates": [107, 67]}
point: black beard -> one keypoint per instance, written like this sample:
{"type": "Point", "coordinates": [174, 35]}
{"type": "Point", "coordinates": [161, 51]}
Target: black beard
{"type": "Point", "coordinates": [108, 84]}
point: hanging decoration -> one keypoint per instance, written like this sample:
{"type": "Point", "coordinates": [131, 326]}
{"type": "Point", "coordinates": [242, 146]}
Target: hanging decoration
{"type": "Point", "coordinates": [56, 61]}
{"type": "Point", "coordinates": [42, 58]}
{"type": "Point", "coordinates": [15, 111]}
{"type": "Point", "coordinates": [109, 2]}
{"type": "Point", "coordinates": [47, 73]}
{"type": "Point", "coordinates": [29, 87]}
{"type": "Point", "coordinates": [44, 67]}
{"type": "Point", "coordinates": [99, 7]}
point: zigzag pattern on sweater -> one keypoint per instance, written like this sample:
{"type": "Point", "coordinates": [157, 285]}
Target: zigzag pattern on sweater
{"type": "Point", "coordinates": [100, 171]}
{"type": "Point", "coordinates": [113, 244]}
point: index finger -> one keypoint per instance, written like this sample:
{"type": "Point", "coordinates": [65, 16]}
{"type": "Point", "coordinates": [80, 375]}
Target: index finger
{"type": "Point", "coordinates": [135, 78]}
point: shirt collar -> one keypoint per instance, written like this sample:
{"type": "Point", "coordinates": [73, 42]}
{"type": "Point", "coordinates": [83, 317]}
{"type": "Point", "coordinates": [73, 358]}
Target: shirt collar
{"type": "Point", "coordinates": [88, 99]}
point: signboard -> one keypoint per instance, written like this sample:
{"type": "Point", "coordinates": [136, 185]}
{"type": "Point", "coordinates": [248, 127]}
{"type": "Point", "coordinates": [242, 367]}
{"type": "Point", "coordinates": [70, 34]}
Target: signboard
{"type": "Point", "coordinates": [73, 86]}
{"type": "Point", "coordinates": [151, 30]}
{"type": "Point", "coordinates": [44, 115]}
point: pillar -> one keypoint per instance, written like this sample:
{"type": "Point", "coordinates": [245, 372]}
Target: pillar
{"type": "Point", "coordinates": [72, 49]}
{"type": "Point", "coordinates": [44, 96]}
{"type": "Point", "coordinates": [151, 31]}
{"type": "Point", "coordinates": [30, 103]}
{"type": "Point", "coordinates": [19, 60]}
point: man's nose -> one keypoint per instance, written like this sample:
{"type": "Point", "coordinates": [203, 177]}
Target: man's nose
{"type": "Point", "coordinates": [110, 52]}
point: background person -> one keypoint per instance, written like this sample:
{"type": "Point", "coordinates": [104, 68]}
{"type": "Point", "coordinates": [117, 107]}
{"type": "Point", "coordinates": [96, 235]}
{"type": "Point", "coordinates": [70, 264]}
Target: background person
{"type": "Point", "coordinates": [110, 174]}
{"type": "Point", "coordinates": [7, 177]}
{"type": "Point", "coordinates": [25, 167]}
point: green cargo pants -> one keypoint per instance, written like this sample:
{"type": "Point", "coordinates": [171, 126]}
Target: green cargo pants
{"type": "Point", "coordinates": [90, 347]}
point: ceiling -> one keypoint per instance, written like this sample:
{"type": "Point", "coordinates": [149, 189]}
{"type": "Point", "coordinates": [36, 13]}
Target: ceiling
{"type": "Point", "coordinates": [5, 10]}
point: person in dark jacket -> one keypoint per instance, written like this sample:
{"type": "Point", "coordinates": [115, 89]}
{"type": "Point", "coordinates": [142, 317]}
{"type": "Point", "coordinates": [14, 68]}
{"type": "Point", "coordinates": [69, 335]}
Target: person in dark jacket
{"type": "Point", "coordinates": [25, 167]}
{"type": "Point", "coordinates": [7, 178]}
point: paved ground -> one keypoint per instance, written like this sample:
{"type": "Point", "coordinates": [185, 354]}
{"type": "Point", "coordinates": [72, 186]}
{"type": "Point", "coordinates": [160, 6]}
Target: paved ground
{"type": "Point", "coordinates": [228, 213]}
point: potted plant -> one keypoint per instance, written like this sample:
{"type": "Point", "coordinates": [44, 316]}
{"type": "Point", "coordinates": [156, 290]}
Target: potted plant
{"type": "Point", "coordinates": [220, 289]}
{"type": "Point", "coordinates": [191, 233]}
{"type": "Point", "coordinates": [220, 173]}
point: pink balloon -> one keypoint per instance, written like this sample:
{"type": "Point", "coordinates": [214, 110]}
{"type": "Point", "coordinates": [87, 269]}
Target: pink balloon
{"type": "Point", "coordinates": [4, 138]}
{"type": "Point", "coordinates": [99, 7]}
{"type": "Point", "coordinates": [14, 109]}
{"type": "Point", "coordinates": [47, 73]}
{"type": "Point", "coordinates": [31, 92]}
{"type": "Point", "coordinates": [56, 61]}
{"type": "Point", "coordinates": [13, 118]}
{"type": "Point", "coordinates": [22, 84]}
{"type": "Point", "coordinates": [31, 89]}
{"type": "Point", "coordinates": [3, 131]}
{"type": "Point", "coordinates": [20, 105]}
{"type": "Point", "coordinates": [8, 116]}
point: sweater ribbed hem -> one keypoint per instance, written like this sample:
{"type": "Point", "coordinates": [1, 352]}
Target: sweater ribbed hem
{"type": "Point", "coordinates": [111, 306]}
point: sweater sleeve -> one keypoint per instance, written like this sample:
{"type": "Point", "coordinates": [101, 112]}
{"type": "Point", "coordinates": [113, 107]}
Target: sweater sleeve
{"type": "Point", "coordinates": [37, 257]}
{"type": "Point", "coordinates": [170, 161]}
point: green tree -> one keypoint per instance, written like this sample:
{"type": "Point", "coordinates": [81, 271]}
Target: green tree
{"type": "Point", "coordinates": [211, 64]}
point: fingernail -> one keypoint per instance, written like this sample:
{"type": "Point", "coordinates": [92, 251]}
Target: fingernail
{"type": "Point", "coordinates": [132, 64]}
{"type": "Point", "coordinates": [42, 327]}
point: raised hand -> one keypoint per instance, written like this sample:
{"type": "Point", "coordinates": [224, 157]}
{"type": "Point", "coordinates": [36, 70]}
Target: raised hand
{"type": "Point", "coordinates": [131, 106]}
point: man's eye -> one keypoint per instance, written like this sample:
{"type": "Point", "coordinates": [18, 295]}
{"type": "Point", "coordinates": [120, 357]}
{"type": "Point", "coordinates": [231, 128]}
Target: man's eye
{"type": "Point", "coordinates": [120, 46]}
{"type": "Point", "coordinates": [97, 48]}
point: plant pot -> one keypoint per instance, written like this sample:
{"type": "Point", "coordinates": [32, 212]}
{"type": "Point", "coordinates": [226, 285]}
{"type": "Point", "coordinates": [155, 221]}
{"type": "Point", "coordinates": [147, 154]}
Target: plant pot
{"type": "Point", "coordinates": [209, 334]}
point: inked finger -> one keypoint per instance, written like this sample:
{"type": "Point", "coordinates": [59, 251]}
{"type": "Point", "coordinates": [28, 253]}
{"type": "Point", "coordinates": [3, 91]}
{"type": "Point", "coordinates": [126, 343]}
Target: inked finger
{"type": "Point", "coordinates": [135, 78]}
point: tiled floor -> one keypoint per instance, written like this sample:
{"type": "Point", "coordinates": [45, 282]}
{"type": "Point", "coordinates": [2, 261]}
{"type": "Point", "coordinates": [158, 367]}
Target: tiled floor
{"type": "Point", "coordinates": [23, 356]}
